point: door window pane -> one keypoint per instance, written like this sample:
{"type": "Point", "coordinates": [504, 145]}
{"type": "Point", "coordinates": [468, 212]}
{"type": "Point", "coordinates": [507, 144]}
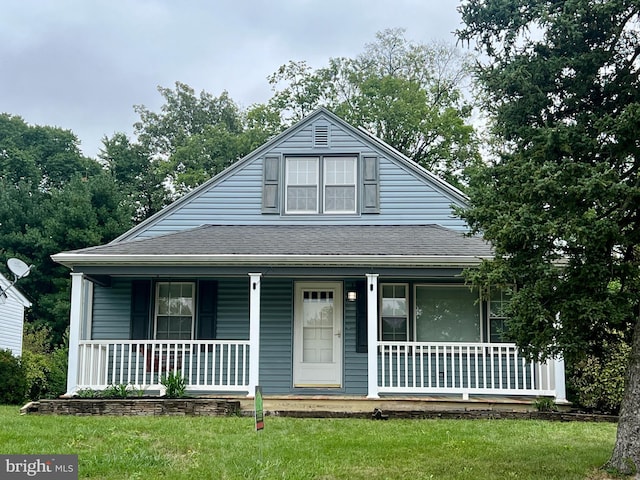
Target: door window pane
{"type": "Point", "coordinates": [317, 326]}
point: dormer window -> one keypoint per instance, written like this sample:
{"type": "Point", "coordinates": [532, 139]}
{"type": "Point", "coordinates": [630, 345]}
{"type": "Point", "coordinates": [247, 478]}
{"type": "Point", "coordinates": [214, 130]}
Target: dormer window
{"type": "Point", "coordinates": [337, 184]}
{"type": "Point", "coordinates": [323, 184]}
{"type": "Point", "coordinates": [340, 176]}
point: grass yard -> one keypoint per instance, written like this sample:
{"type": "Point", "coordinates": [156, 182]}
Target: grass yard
{"type": "Point", "coordinates": [288, 448]}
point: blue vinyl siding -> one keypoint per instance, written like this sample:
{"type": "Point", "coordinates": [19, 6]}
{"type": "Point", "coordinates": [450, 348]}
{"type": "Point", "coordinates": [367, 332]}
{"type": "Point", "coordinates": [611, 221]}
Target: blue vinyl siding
{"type": "Point", "coordinates": [276, 335]}
{"type": "Point", "coordinates": [235, 197]}
{"type": "Point", "coordinates": [112, 311]}
{"type": "Point", "coordinates": [233, 309]}
{"type": "Point", "coordinates": [355, 364]}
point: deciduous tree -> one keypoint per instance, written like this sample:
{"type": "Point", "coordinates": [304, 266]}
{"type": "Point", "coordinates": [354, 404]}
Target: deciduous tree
{"type": "Point", "coordinates": [51, 199]}
{"type": "Point", "coordinates": [191, 139]}
{"type": "Point", "coordinates": [409, 95]}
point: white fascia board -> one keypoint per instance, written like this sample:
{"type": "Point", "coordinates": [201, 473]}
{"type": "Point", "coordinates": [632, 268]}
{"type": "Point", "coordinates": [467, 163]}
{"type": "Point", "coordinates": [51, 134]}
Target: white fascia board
{"type": "Point", "coordinates": [72, 259]}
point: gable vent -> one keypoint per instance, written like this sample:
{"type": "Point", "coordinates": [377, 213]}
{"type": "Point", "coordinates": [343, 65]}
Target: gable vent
{"type": "Point", "coordinates": [321, 136]}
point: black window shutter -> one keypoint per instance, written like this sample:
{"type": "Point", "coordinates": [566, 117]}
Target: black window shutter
{"type": "Point", "coordinates": [207, 295]}
{"type": "Point", "coordinates": [361, 316]}
{"type": "Point", "coordinates": [270, 191]}
{"type": "Point", "coordinates": [370, 185]}
{"type": "Point", "coordinates": [140, 309]}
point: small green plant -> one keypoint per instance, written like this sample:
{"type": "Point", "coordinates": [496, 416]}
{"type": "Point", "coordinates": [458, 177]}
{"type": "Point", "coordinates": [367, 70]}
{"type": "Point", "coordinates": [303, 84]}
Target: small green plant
{"type": "Point", "coordinates": [175, 384]}
{"type": "Point", "coordinates": [117, 390]}
{"type": "Point", "coordinates": [545, 404]}
{"type": "Point", "coordinates": [88, 393]}
{"type": "Point", "coordinates": [137, 392]}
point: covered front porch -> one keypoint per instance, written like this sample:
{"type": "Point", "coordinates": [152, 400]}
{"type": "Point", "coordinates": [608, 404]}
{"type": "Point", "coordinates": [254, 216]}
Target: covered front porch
{"type": "Point", "coordinates": [402, 368]}
{"type": "Point", "coordinates": [392, 369]}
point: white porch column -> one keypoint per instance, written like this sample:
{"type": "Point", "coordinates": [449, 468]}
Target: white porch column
{"type": "Point", "coordinates": [372, 335]}
{"type": "Point", "coordinates": [254, 332]}
{"type": "Point", "coordinates": [75, 326]}
{"type": "Point", "coordinates": [560, 383]}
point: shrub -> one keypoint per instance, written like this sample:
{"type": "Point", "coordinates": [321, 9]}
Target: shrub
{"type": "Point", "coordinates": [13, 384]}
{"type": "Point", "coordinates": [596, 383]}
{"type": "Point", "coordinates": [58, 371]}
{"type": "Point", "coordinates": [45, 369]}
{"type": "Point", "coordinates": [36, 369]}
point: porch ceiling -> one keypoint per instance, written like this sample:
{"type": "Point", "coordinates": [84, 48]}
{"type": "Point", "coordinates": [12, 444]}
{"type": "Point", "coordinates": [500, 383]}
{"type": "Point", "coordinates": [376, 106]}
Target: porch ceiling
{"type": "Point", "coordinates": [384, 245]}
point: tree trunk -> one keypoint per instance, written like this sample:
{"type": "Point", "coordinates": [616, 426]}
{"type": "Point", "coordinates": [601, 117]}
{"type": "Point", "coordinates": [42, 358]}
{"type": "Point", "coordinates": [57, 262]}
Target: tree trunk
{"type": "Point", "coordinates": [626, 453]}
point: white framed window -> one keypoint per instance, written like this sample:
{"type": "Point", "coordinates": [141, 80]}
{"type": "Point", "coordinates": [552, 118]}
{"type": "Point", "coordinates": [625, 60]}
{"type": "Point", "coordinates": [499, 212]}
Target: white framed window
{"type": "Point", "coordinates": [334, 191]}
{"type": "Point", "coordinates": [447, 313]}
{"type": "Point", "coordinates": [340, 178]}
{"type": "Point", "coordinates": [497, 303]}
{"type": "Point", "coordinates": [174, 311]}
{"type": "Point", "coordinates": [302, 190]}
{"type": "Point", "coordinates": [394, 312]}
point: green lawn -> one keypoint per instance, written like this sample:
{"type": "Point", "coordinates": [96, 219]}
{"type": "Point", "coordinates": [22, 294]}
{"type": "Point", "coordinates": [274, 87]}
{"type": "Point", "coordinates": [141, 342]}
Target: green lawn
{"type": "Point", "coordinates": [288, 448]}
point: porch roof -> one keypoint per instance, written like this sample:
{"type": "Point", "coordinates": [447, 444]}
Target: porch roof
{"type": "Point", "coordinates": [292, 244]}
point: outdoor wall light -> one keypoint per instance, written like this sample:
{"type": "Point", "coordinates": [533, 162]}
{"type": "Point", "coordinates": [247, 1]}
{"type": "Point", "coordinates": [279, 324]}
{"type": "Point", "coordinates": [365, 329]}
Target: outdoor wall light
{"type": "Point", "coordinates": [351, 296]}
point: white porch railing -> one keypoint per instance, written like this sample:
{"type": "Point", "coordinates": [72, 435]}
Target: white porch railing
{"type": "Point", "coordinates": [464, 368]}
{"type": "Point", "coordinates": [213, 365]}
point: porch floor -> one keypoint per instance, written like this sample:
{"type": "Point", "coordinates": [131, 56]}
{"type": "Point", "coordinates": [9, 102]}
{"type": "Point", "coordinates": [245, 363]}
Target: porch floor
{"type": "Point", "coordinates": [433, 405]}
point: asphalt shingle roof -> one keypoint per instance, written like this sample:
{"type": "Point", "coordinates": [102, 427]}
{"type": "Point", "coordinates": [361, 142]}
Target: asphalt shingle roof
{"type": "Point", "coordinates": [409, 240]}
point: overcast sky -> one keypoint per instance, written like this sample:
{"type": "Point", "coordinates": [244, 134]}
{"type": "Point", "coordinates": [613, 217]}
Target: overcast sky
{"type": "Point", "coordinates": [83, 64]}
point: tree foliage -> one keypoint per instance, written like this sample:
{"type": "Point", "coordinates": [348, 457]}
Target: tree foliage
{"type": "Point", "coordinates": [409, 95]}
{"type": "Point", "coordinates": [134, 172]}
{"type": "Point", "coordinates": [45, 367]}
{"type": "Point", "coordinates": [51, 199]}
{"type": "Point", "coordinates": [561, 202]}
{"type": "Point", "coordinates": [191, 139]}
{"type": "Point", "coordinates": [13, 383]}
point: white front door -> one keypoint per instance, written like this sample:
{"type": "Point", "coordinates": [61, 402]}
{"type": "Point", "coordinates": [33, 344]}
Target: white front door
{"type": "Point", "coordinates": [317, 346]}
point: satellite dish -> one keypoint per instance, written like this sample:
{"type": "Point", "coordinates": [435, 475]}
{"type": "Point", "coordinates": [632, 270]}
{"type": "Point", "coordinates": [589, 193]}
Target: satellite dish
{"type": "Point", "coordinates": [18, 268]}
